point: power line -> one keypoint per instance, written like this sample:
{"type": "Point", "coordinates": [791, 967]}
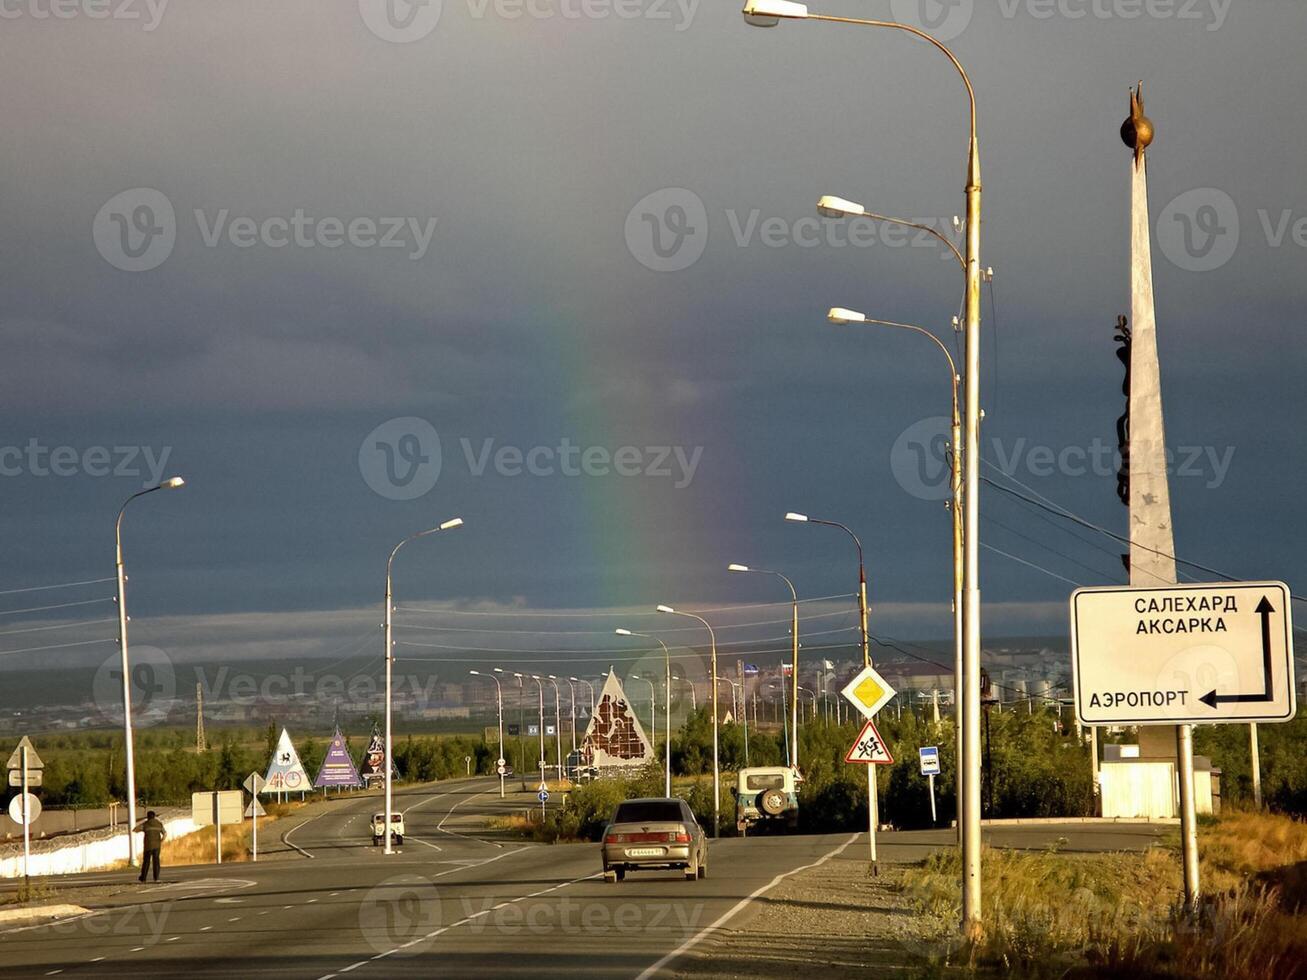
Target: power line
{"type": "Point", "coordinates": [57, 605]}
{"type": "Point", "coordinates": [1031, 564]}
{"type": "Point", "coordinates": [58, 646]}
{"type": "Point", "coordinates": [61, 585]}
{"type": "Point", "coordinates": [56, 626]}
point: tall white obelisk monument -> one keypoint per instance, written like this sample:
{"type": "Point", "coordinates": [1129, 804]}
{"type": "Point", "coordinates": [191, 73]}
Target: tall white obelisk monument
{"type": "Point", "coordinates": [1152, 544]}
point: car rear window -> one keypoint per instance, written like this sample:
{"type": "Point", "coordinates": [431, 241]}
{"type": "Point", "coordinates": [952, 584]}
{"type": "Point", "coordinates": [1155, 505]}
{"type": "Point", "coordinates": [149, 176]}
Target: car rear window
{"type": "Point", "coordinates": [648, 812]}
{"type": "Point", "coordinates": [772, 781]}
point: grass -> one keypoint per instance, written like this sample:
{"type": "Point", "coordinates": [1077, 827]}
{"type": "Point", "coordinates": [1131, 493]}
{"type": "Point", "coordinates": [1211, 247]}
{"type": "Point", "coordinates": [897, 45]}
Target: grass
{"type": "Point", "coordinates": [1048, 914]}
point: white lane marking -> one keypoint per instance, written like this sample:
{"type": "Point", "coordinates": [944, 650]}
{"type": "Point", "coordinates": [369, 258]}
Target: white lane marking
{"type": "Point", "coordinates": [354, 966]}
{"type": "Point", "coordinates": [173, 939]}
{"type": "Point", "coordinates": [205, 928]}
{"type": "Point", "coordinates": [97, 959]}
{"type": "Point", "coordinates": [136, 949]}
{"type": "Point", "coordinates": [693, 941]}
{"type": "Point", "coordinates": [53, 972]}
{"type": "Point", "coordinates": [436, 847]}
{"type": "Point", "coordinates": [441, 826]}
{"type": "Point", "coordinates": [234, 918]}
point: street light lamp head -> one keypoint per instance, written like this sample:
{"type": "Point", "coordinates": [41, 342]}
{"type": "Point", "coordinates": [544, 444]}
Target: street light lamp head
{"type": "Point", "coordinates": [838, 314]}
{"type": "Point", "coordinates": [476, 672]}
{"type": "Point", "coordinates": [172, 483]}
{"type": "Point", "coordinates": [830, 206]}
{"type": "Point", "coordinates": [452, 523]}
{"type": "Point", "coordinates": [622, 632]}
{"type": "Point", "coordinates": [497, 670]}
{"type": "Point", "coordinates": [792, 516]}
{"type": "Point", "coordinates": [665, 609]}
{"type": "Point", "coordinates": [733, 567]}
{"type": "Point", "coordinates": [768, 13]}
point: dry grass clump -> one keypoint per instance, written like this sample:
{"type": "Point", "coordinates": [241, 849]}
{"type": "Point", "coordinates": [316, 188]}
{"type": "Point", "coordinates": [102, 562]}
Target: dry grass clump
{"type": "Point", "coordinates": [1117, 915]}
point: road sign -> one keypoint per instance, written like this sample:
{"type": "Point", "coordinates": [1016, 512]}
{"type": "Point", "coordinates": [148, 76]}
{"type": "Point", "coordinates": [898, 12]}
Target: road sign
{"type": "Point", "coordinates": [16, 777]}
{"type": "Point", "coordinates": [533, 730]}
{"type": "Point", "coordinates": [255, 809]}
{"type": "Point", "coordinates": [1183, 654]}
{"type": "Point", "coordinates": [870, 748]}
{"type": "Point", "coordinates": [543, 796]}
{"type": "Point", "coordinates": [253, 784]}
{"type": "Point", "coordinates": [501, 767]}
{"type": "Point", "coordinates": [33, 760]}
{"type": "Point", "coordinates": [230, 807]}
{"type": "Point", "coordinates": [868, 692]}
{"type": "Point", "coordinates": [16, 809]}
{"type": "Point", "coordinates": [929, 760]}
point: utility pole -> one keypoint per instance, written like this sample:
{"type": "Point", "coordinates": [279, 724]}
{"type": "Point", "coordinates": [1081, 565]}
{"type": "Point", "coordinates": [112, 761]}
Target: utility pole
{"type": "Point", "coordinates": [200, 744]}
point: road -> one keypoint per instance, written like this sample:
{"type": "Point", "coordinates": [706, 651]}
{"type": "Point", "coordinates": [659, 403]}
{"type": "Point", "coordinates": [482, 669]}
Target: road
{"type": "Point", "coordinates": [455, 900]}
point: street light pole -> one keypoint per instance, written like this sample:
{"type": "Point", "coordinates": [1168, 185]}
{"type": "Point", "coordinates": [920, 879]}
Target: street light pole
{"type": "Point", "coordinates": [172, 483]}
{"type": "Point", "coordinates": [448, 525]}
{"type": "Point", "coordinates": [571, 687]}
{"type": "Point", "coordinates": [840, 315]}
{"type": "Point", "coordinates": [794, 654]}
{"type": "Point", "coordinates": [667, 707]}
{"type": "Point", "coordinates": [558, 728]}
{"type": "Point", "coordinates": [540, 727]}
{"type": "Point", "coordinates": [768, 13]}
{"type": "Point", "coordinates": [716, 764]}
{"type": "Point", "coordinates": [499, 707]}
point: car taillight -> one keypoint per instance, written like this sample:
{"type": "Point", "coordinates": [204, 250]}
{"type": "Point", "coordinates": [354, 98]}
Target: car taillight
{"type": "Point", "coordinates": [680, 838]}
{"type": "Point", "coordinates": [615, 839]}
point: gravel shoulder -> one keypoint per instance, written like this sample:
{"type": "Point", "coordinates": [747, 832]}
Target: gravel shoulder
{"type": "Point", "coordinates": [836, 919]}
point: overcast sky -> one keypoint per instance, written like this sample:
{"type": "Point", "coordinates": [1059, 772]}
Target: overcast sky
{"type": "Point", "coordinates": [551, 266]}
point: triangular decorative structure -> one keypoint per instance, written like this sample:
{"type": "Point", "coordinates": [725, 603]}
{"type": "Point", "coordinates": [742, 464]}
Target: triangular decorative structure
{"type": "Point", "coordinates": [614, 736]}
{"type": "Point", "coordinates": [372, 769]}
{"type": "Point", "coordinates": [285, 772]}
{"type": "Point", "coordinates": [337, 767]}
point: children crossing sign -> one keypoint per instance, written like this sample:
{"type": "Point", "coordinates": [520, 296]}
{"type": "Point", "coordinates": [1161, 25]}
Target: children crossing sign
{"type": "Point", "coordinates": [1183, 654]}
{"type": "Point", "coordinates": [870, 748]}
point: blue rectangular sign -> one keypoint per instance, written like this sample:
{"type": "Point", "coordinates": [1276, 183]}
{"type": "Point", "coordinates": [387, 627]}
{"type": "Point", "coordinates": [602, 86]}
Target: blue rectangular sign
{"type": "Point", "coordinates": [929, 760]}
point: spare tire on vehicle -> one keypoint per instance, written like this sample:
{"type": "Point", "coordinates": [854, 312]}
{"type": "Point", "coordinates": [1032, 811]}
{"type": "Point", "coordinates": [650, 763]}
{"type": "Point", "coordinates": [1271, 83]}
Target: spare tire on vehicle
{"type": "Point", "coordinates": [772, 802]}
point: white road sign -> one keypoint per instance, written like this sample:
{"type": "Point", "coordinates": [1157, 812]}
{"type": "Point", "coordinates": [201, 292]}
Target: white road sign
{"type": "Point", "coordinates": [230, 807]}
{"type": "Point", "coordinates": [33, 760]}
{"type": "Point", "coordinates": [253, 784]}
{"type": "Point", "coordinates": [16, 809]}
{"type": "Point", "coordinates": [868, 692]}
{"type": "Point", "coordinates": [255, 809]}
{"type": "Point", "coordinates": [33, 777]}
{"type": "Point", "coordinates": [1183, 654]}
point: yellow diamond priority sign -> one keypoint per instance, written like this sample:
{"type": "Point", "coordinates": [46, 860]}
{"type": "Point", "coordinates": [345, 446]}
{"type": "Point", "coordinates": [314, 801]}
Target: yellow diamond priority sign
{"type": "Point", "coordinates": [868, 692]}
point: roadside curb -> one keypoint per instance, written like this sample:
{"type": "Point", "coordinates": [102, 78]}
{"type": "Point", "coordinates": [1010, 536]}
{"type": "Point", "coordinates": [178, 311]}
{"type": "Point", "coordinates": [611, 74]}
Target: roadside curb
{"type": "Point", "coordinates": [39, 913]}
{"type": "Point", "coordinates": [1106, 821]}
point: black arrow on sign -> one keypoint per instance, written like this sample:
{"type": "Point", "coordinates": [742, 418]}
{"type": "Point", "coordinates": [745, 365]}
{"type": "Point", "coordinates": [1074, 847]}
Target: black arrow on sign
{"type": "Point", "coordinates": [1212, 699]}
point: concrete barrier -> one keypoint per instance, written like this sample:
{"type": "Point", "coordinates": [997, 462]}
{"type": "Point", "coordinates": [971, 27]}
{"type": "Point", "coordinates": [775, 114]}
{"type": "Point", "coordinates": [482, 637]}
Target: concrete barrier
{"type": "Point", "coordinates": [89, 853]}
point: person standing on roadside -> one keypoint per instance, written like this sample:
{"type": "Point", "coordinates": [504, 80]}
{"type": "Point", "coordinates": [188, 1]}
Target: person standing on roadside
{"type": "Point", "coordinates": [152, 828]}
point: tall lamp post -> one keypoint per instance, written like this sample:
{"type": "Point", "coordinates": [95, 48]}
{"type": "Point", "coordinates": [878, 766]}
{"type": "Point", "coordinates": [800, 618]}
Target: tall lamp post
{"type": "Point", "coordinates": [540, 726]}
{"type": "Point", "coordinates": [582, 680]}
{"type": "Point", "coordinates": [667, 706]}
{"type": "Point", "coordinates": [768, 13]}
{"type": "Point", "coordinates": [499, 707]}
{"type": "Point", "coordinates": [558, 727]}
{"type": "Point", "coordinates": [843, 316]}
{"type": "Point", "coordinates": [716, 764]}
{"type": "Point", "coordinates": [571, 687]}
{"type": "Point", "coordinates": [448, 525]}
{"type": "Point", "coordinates": [172, 483]}
{"type": "Point", "coordinates": [794, 655]}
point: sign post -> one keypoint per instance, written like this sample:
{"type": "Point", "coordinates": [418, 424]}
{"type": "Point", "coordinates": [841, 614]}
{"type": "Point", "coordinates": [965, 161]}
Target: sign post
{"type": "Point", "coordinates": [254, 785]}
{"type": "Point", "coordinates": [869, 692]}
{"type": "Point", "coordinates": [929, 755]}
{"type": "Point", "coordinates": [218, 808]}
{"type": "Point", "coordinates": [25, 768]}
{"type": "Point", "coordinates": [543, 796]}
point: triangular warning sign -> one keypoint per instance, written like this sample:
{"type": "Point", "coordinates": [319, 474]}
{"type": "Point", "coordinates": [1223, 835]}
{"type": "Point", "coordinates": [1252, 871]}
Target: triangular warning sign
{"type": "Point", "coordinates": [285, 773]}
{"type": "Point", "coordinates": [337, 767]}
{"type": "Point", "coordinates": [255, 809]}
{"type": "Point", "coordinates": [33, 760]}
{"type": "Point", "coordinates": [870, 748]}
{"type": "Point", "coordinates": [614, 736]}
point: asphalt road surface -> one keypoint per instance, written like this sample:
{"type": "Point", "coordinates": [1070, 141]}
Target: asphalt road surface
{"type": "Point", "coordinates": [455, 901]}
